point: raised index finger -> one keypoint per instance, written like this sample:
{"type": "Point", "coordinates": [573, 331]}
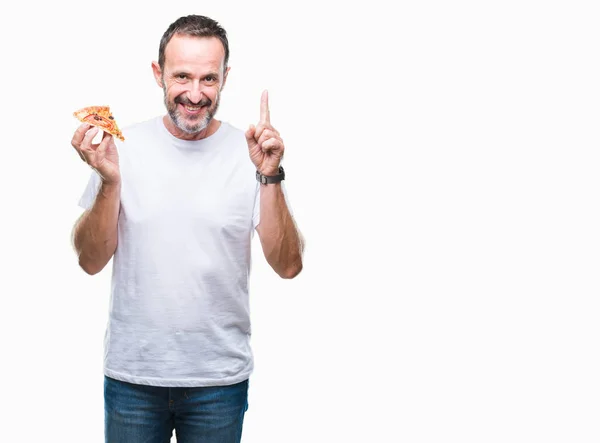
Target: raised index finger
{"type": "Point", "coordinates": [264, 108]}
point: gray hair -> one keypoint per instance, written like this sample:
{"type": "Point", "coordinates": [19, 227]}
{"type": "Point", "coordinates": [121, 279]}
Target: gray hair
{"type": "Point", "coordinates": [195, 26]}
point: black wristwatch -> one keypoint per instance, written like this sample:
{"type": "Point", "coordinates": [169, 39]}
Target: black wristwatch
{"type": "Point", "coordinates": [268, 179]}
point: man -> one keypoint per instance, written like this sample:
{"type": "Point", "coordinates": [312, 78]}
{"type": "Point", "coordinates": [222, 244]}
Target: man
{"type": "Point", "coordinates": [177, 204]}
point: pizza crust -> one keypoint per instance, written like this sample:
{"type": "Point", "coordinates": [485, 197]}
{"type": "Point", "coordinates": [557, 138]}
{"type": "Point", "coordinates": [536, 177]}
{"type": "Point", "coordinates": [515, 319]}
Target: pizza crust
{"type": "Point", "coordinates": [101, 117]}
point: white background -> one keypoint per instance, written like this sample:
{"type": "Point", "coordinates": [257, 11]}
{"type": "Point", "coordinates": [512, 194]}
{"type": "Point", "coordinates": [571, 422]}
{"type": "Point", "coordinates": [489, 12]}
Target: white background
{"type": "Point", "coordinates": [442, 162]}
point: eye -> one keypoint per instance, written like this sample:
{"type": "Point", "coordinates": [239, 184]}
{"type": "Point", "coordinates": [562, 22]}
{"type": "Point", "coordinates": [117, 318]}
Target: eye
{"type": "Point", "coordinates": [210, 79]}
{"type": "Point", "coordinates": [181, 76]}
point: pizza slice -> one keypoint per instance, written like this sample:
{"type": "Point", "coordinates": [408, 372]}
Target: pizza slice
{"type": "Point", "coordinates": [100, 116]}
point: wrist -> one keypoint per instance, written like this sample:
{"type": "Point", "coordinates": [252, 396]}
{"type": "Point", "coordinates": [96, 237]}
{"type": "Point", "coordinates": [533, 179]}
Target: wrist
{"type": "Point", "coordinates": [108, 188]}
{"type": "Point", "coordinates": [268, 172]}
{"type": "Point", "coordinates": [270, 177]}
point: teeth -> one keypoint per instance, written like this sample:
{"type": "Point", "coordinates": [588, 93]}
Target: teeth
{"type": "Point", "coordinates": [192, 108]}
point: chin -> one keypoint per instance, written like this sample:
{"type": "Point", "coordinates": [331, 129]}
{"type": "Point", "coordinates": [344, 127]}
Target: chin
{"type": "Point", "coordinates": [187, 126]}
{"type": "Point", "coordinates": [194, 128]}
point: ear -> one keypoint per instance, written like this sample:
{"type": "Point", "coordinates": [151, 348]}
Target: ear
{"type": "Point", "coordinates": [225, 77]}
{"type": "Point", "coordinates": [157, 74]}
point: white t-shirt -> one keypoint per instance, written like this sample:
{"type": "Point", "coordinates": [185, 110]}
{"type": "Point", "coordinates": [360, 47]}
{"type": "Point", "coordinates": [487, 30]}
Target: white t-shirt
{"type": "Point", "coordinates": [179, 310]}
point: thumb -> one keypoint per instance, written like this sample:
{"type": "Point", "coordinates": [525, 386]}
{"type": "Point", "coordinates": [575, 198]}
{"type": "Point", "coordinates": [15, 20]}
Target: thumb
{"type": "Point", "coordinates": [250, 136]}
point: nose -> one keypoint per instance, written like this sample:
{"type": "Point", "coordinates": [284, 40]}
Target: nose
{"type": "Point", "coordinates": [195, 92]}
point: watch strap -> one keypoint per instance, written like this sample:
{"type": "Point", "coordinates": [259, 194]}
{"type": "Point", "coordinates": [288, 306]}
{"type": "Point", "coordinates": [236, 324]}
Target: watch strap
{"type": "Point", "coordinates": [269, 179]}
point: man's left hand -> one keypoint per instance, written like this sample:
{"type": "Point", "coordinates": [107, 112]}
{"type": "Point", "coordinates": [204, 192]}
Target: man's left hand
{"type": "Point", "coordinates": [264, 142]}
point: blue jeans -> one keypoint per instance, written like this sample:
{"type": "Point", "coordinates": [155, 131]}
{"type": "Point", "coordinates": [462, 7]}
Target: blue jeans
{"type": "Point", "coordinates": [136, 413]}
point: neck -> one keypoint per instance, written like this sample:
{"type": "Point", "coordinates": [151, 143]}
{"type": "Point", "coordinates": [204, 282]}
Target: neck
{"type": "Point", "coordinates": [206, 132]}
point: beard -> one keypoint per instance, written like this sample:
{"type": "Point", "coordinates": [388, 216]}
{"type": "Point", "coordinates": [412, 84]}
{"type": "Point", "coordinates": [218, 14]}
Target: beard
{"type": "Point", "coordinates": [191, 124]}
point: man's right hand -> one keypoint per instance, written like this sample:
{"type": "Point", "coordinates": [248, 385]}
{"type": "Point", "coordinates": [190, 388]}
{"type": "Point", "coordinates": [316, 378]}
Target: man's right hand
{"type": "Point", "coordinates": [102, 157]}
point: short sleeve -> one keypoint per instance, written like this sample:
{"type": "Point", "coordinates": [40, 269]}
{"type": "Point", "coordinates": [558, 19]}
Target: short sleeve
{"type": "Point", "coordinates": [89, 194]}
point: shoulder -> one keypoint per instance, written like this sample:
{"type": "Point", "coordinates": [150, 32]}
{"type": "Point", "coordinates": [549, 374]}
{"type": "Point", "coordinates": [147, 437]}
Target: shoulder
{"type": "Point", "coordinates": [138, 134]}
{"type": "Point", "coordinates": [231, 130]}
{"type": "Point", "coordinates": [233, 136]}
{"type": "Point", "coordinates": [232, 140]}
{"type": "Point", "coordinates": [141, 128]}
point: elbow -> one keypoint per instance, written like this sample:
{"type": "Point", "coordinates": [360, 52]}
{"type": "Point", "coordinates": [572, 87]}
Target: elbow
{"type": "Point", "coordinates": [90, 264]}
{"type": "Point", "coordinates": [84, 261]}
{"type": "Point", "coordinates": [89, 268]}
{"type": "Point", "coordinates": [291, 271]}
{"type": "Point", "coordinates": [90, 260]}
{"type": "Point", "coordinates": [295, 267]}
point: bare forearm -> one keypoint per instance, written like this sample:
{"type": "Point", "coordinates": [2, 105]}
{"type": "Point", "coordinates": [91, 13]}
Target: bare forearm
{"type": "Point", "coordinates": [281, 241]}
{"type": "Point", "coordinates": [95, 234]}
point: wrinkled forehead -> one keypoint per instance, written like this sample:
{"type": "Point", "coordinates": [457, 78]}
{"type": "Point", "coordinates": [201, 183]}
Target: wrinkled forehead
{"type": "Point", "coordinates": [203, 53]}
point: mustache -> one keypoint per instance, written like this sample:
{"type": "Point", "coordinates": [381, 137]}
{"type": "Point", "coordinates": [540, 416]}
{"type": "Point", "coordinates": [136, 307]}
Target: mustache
{"type": "Point", "coordinates": [186, 101]}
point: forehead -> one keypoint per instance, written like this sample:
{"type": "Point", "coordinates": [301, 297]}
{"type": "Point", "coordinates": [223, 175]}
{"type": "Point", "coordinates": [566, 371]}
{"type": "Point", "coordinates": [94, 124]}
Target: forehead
{"type": "Point", "coordinates": [197, 52]}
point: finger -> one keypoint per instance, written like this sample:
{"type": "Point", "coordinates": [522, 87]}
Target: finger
{"type": "Point", "coordinates": [86, 143]}
{"type": "Point", "coordinates": [79, 134]}
{"type": "Point", "coordinates": [86, 148]}
{"type": "Point", "coordinates": [272, 145]}
{"type": "Point", "coordinates": [261, 128]}
{"type": "Point", "coordinates": [265, 116]}
{"type": "Point", "coordinates": [87, 155]}
{"type": "Point", "coordinates": [259, 131]}
{"type": "Point", "coordinates": [267, 134]}
{"type": "Point", "coordinates": [250, 133]}
{"type": "Point", "coordinates": [105, 134]}
{"type": "Point", "coordinates": [103, 146]}
{"type": "Point", "coordinates": [78, 138]}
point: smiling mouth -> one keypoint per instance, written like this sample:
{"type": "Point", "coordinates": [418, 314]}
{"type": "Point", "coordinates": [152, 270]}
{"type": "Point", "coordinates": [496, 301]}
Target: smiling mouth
{"type": "Point", "coordinates": [193, 109]}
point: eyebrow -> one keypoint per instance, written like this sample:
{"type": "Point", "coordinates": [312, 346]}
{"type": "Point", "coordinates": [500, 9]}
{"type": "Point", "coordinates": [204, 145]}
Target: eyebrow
{"type": "Point", "coordinates": [210, 74]}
